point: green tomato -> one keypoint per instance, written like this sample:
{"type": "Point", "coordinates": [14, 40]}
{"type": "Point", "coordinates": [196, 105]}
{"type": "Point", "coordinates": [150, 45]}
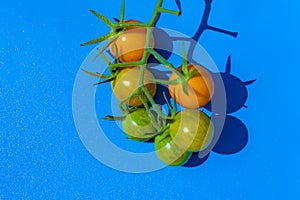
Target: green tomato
{"type": "Point", "coordinates": [138, 125]}
{"type": "Point", "coordinates": [192, 130]}
{"type": "Point", "coordinates": [168, 152]}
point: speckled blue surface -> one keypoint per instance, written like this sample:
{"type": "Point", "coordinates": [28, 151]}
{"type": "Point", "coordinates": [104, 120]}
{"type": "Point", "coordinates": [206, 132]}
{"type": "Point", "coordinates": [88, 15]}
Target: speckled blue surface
{"type": "Point", "coordinates": [41, 154]}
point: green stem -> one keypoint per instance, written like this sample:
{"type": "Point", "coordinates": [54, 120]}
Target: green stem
{"type": "Point", "coordinates": [127, 64]}
{"type": "Point", "coordinates": [142, 73]}
{"type": "Point", "coordinates": [154, 122]}
{"type": "Point", "coordinates": [173, 12]}
{"type": "Point", "coordinates": [123, 104]}
{"type": "Point", "coordinates": [164, 133]}
{"type": "Point", "coordinates": [122, 11]}
{"type": "Point", "coordinates": [167, 82]}
{"type": "Point", "coordinates": [184, 60]}
{"type": "Point", "coordinates": [133, 24]}
{"type": "Point", "coordinates": [159, 9]}
{"type": "Point", "coordinates": [100, 51]}
{"type": "Point", "coordinates": [164, 62]}
{"type": "Point", "coordinates": [142, 88]}
{"type": "Point", "coordinates": [156, 13]}
{"type": "Point", "coordinates": [148, 40]}
{"type": "Point", "coordinates": [191, 74]}
{"type": "Point", "coordinates": [154, 105]}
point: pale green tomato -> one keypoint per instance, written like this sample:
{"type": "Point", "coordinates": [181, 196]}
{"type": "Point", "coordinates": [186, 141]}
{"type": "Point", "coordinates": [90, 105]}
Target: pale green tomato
{"type": "Point", "coordinates": [169, 153]}
{"type": "Point", "coordinates": [192, 130]}
{"type": "Point", "coordinates": [138, 125]}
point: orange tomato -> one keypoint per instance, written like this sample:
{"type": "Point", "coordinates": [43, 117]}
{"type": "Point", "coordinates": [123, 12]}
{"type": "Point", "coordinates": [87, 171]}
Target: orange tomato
{"type": "Point", "coordinates": [200, 88]}
{"type": "Point", "coordinates": [131, 44]}
{"type": "Point", "coordinates": [127, 82]}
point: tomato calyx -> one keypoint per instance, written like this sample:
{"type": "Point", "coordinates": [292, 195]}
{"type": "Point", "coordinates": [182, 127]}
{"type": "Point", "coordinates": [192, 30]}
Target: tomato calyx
{"type": "Point", "coordinates": [140, 124]}
{"type": "Point", "coordinates": [119, 29]}
{"type": "Point", "coordinates": [119, 26]}
{"type": "Point", "coordinates": [183, 73]}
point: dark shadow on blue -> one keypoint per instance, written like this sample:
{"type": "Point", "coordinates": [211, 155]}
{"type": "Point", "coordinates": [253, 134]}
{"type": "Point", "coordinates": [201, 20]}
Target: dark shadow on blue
{"type": "Point", "coordinates": [158, 97]}
{"type": "Point", "coordinates": [233, 138]}
{"type": "Point", "coordinates": [203, 26]}
{"type": "Point", "coordinates": [235, 89]}
{"type": "Point", "coordinates": [195, 161]}
{"type": "Point", "coordinates": [163, 45]}
{"type": "Point", "coordinates": [150, 141]}
{"type": "Point", "coordinates": [204, 23]}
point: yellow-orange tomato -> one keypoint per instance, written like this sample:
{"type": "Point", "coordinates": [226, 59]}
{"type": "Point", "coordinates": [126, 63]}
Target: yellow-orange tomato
{"type": "Point", "coordinates": [127, 82]}
{"type": "Point", "coordinates": [200, 88]}
{"type": "Point", "coordinates": [131, 44]}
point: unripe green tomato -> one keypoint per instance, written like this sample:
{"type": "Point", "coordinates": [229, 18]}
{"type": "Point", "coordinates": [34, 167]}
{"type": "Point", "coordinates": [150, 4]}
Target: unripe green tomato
{"type": "Point", "coordinates": [169, 153]}
{"type": "Point", "coordinates": [192, 130]}
{"type": "Point", "coordinates": [138, 125]}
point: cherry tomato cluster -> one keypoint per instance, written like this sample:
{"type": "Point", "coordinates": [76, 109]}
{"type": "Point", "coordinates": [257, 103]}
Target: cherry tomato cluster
{"type": "Point", "coordinates": [176, 134]}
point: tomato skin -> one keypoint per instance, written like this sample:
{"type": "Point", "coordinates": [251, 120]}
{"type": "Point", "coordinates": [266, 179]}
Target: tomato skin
{"type": "Point", "coordinates": [200, 88]}
{"type": "Point", "coordinates": [192, 130]}
{"type": "Point", "coordinates": [138, 125]}
{"type": "Point", "coordinates": [169, 153]}
{"type": "Point", "coordinates": [127, 82]}
{"type": "Point", "coordinates": [131, 43]}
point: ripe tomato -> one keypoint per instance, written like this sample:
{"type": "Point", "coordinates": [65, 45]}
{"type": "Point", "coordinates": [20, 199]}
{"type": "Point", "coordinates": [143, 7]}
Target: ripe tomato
{"type": "Point", "coordinates": [200, 88]}
{"type": "Point", "coordinates": [168, 152]}
{"type": "Point", "coordinates": [127, 82]}
{"type": "Point", "coordinates": [191, 130]}
{"type": "Point", "coordinates": [131, 43]}
{"type": "Point", "coordinates": [138, 125]}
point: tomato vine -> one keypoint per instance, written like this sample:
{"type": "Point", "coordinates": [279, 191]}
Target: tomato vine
{"type": "Point", "coordinates": [158, 121]}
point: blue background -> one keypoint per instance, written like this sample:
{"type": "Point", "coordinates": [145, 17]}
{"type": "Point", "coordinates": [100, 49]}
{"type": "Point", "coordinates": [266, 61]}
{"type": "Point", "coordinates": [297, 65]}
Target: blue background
{"type": "Point", "coordinates": [41, 155]}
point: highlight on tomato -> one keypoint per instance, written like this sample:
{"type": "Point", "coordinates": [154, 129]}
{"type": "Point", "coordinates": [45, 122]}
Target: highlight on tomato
{"type": "Point", "coordinates": [126, 84]}
{"type": "Point", "coordinates": [200, 88]}
{"type": "Point", "coordinates": [192, 130]}
{"type": "Point", "coordinates": [138, 125]}
{"type": "Point", "coordinates": [131, 44]}
{"type": "Point", "coordinates": [168, 152]}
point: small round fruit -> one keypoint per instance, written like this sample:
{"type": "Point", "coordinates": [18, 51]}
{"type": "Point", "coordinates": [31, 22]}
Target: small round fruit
{"type": "Point", "coordinates": [168, 152]}
{"type": "Point", "coordinates": [127, 82]}
{"type": "Point", "coordinates": [200, 88]}
{"type": "Point", "coordinates": [192, 130]}
{"type": "Point", "coordinates": [138, 125]}
{"type": "Point", "coordinates": [131, 43]}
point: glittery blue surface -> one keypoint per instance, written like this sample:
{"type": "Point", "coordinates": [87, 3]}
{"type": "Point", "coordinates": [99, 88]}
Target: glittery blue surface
{"type": "Point", "coordinates": [41, 154]}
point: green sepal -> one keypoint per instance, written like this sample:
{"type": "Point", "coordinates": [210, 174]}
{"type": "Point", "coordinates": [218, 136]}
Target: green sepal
{"type": "Point", "coordinates": [106, 81]}
{"type": "Point", "coordinates": [98, 75]}
{"type": "Point", "coordinates": [113, 118]}
{"type": "Point", "coordinates": [97, 40]}
{"type": "Point", "coordinates": [103, 18]}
